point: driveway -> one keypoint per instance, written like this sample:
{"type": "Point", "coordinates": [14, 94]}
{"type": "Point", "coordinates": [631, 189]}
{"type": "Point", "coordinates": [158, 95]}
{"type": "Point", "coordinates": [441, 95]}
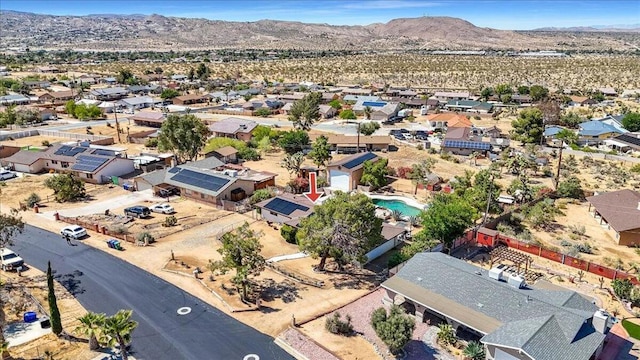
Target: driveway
{"type": "Point", "coordinates": [104, 283]}
{"type": "Point", "coordinates": [99, 207]}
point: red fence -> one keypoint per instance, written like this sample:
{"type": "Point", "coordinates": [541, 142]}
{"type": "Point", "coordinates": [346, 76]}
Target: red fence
{"type": "Point", "coordinates": [584, 265]}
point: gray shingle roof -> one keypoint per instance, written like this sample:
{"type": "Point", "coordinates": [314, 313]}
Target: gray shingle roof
{"type": "Point", "coordinates": [547, 324]}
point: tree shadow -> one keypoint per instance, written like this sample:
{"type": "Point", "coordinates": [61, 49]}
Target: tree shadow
{"type": "Point", "coordinates": [71, 282]}
{"type": "Point", "coordinates": [287, 290]}
{"type": "Point", "coordinates": [353, 281]}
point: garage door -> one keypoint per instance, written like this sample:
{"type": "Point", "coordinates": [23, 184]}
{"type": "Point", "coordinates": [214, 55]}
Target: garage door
{"type": "Point", "coordinates": [339, 180]}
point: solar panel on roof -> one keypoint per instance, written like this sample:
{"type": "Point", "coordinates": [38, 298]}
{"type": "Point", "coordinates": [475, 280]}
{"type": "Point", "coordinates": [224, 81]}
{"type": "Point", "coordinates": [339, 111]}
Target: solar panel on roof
{"type": "Point", "coordinates": [63, 149]}
{"type": "Point", "coordinates": [461, 144]}
{"type": "Point", "coordinates": [204, 181]}
{"type": "Point", "coordinates": [174, 170]}
{"type": "Point", "coordinates": [69, 150]}
{"type": "Point", "coordinates": [104, 152]}
{"type": "Point", "coordinates": [283, 206]}
{"type": "Point", "coordinates": [629, 139]}
{"type": "Point", "coordinates": [88, 163]}
{"type": "Point", "coordinates": [374, 103]}
{"type": "Point", "coordinates": [359, 160]}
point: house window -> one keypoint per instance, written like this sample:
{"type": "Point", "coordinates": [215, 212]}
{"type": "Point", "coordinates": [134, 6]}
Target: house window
{"type": "Point", "coordinates": [188, 192]}
{"type": "Point", "coordinates": [202, 196]}
{"type": "Point", "coordinates": [64, 164]}
{"type": "Point", "coordinates": [89, 176]}
{"type": "Point", "coordinates": [272, 213]}
{"type": "Point", "coordinates": [54, 161]}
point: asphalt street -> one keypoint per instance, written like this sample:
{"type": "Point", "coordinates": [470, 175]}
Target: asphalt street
{"type": "Point", "coordinates": [104, 283]}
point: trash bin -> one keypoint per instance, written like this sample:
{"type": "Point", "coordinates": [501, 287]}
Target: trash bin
{"type": "Point", "coordinates": [112, 243]}
{"type": "Point", "coordinates": [116, 245]}
{"type": "Point", "coordinates": [45, 323]}
{"type": "Point", "coordinates": [30, 317]}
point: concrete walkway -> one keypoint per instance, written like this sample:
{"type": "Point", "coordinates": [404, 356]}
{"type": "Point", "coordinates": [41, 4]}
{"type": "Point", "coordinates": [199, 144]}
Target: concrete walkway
{"type": "Point", "coordinates": [19, 333]}
{"type": "Point", "coordinates": [299, 255]}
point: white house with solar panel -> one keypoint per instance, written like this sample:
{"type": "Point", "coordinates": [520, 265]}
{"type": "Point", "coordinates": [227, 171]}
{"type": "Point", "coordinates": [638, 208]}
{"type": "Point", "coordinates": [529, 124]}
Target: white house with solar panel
{"type": "Point", "coordinates": [93, 165]}
{"type": "Point", "coordinates": [345, 174]}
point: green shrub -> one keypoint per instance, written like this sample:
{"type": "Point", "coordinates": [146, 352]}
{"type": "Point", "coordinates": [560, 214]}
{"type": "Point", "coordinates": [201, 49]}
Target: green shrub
{"type": "Point", "coordinates": [151, 143]}
{"type": "Point", "coordinates": [261, 195]}
{"type": "Point", "coordinates": [145, 238]}
{"type": "Point", "coordinates": [396, 259]}
{"type": "Point", "coordinates": [336, 325]}
{"type": "Point", "coordinates": [636, 168]}
{"type": "Point", "coordinates": [289, 233]}
{"type": "Point", "coordinates": [170, 221]}
{"type": "Point", "coordinates": [32, 200]}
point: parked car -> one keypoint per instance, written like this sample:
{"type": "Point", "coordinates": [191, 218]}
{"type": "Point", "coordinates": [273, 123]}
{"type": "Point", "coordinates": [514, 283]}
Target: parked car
{"type": "Point", "coordinates": [170, 191]}
{"type": "Point", "coordinates": [73, 231]}
{"type": "Point", "coordinates": [6, 174]}
{"type": "Point", "coordinates": [137, 211]}
{"type": "Point", "coordinates": [162, 208]}
{"type": "Point", "coordinates": [9, 260]}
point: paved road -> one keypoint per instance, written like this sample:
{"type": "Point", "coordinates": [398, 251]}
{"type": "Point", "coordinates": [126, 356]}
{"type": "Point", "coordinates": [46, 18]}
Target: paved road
{"type": "Point", "coordinates": [104, 283]}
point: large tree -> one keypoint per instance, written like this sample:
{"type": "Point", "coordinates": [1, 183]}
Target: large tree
{"type": "Point", "coordinates": [420, 171]}
{"type": "Point", "coordinates": [183, 135]}
{"type": "Point", "coordinates": [293, 141]}
{"type": "Point", "coordinates": [320, 151]}
{"type": "Point", "coordinates": [538, 92]}
{"type": "Point", "coordinates": [118, 329]}
{"type": "Point", "coordinates": [169, 93]}
{"type": "Point", "coordinates": [66, 187]}
{"type": "Point", "coordinates": [528, 127]}
{"type": "Point", "coordinates": [447, 218]}
{"type": "Point", "coordinates": [344, 227]}
{"type": "Point", "coordinates": [241, 252]}
{"type": "Point", "coordinates": [631, 121]}
{"type": "Point", "coordinates": [374, 174]}
{"type": "Point", "coordinates": [54, 312]}
{"type": "Point", "coordinates": [306, 111]}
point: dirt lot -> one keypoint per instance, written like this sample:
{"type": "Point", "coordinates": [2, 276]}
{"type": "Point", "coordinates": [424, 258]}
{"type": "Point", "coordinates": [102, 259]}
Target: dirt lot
{"type": "Point", "coordinates": [33, 282]}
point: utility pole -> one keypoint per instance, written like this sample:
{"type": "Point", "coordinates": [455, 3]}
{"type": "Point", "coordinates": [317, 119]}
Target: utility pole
{"type": "Point", "coordinates": [557, 180]}
{"type": "Point", "coordinates": [358, 148]}
{"type": "Point", "coordinates": [486, 213]}
{"type": "Point", "coordinates": [115, 113]}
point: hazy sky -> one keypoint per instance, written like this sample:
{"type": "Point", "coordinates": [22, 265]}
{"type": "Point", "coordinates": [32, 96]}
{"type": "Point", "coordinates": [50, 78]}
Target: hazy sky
{"type": "Point", "coordinates": [499, 14]}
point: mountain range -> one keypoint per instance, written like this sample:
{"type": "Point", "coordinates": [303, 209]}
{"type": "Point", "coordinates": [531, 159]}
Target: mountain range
{"type": "Point", "coordinates": [156, 32]}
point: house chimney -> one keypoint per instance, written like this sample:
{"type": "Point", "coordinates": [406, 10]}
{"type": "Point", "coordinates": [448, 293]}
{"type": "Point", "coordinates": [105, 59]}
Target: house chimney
{"type": "Point", "coordinates": [600, 321]}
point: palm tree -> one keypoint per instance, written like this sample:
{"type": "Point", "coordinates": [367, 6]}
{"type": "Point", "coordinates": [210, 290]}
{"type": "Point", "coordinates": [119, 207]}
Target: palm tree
{"type": "Point", "coordinates": [367, 112]}
{"type": "Point", "coordinates": [118, 329]}
{"type": "Point", "coordinates": [90, 325]}
{"type": "Point", "coordinates": [474, 351]}
{"type": "Point", "coordinates": [446, 334]}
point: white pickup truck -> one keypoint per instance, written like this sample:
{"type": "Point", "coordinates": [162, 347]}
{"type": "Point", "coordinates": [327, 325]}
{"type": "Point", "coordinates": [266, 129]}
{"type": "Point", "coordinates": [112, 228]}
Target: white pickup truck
{"type": "Point", "coordinates": [9, 260]}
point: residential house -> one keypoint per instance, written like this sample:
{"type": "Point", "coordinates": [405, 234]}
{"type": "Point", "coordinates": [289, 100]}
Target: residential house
{"type": "Point", "coordinates": [608, 91]}
{"type": "Point", "coordinates": [594, 132]}
{"type": "Point", "coordinates": [448, 120]}
{"type": "Point", "coordinates": [208, 181]}
{"type": "Point", "coordinates": [461, 141]}
{"type": "Point", "coordinates": [352, 99]}
{"type": "Point", "coordinates": [108, 94]}
{"type": "Point", "coordinates": [328, 97]}
{"type": "Point", "coordinates": [226, 154]}
{"type": "Point", "coordinates": [469, 106]}
{"type": "Point", "coordinates": [138, 102]}
{"type": "Point", "coordinates": [327, 112]}
{"type": "Point", "coordinates": [630, 93]}
{"type": "Point", "coordinates": [629, 142]}
{"type": "Point", "coordinates": [144, 89]}
{"type": "Point", "coordinates": [292, 97]}
{"type": "Point", "coordinates": [446, 96]}
{"type": "Point", "coordinates": [345, 174]}
{"type": "Point", "coordinates": [14, 99]}
{"type": "Point", "coordinates": [619, 211]}
{"type": "Point", "coordinates": [578, 101]}
{"type": "Point", "coordinates": [285, 208]}
{"type": "Point", "coordinates": [37, 84]}
{"type": "Point", "coordinates": [433, 104]}
{"type": "Point", "coordinates": [232, 127]}
{"type": "Point", "coordinates": [190, 99]}
{"type": "Point", "coordinates": [148, 118]}
{"type": "Point", "coordinates": [348, 144]}
{"type": "Point", "coordinates": [179, 77]}
{"type": "Point", "coordinates": [615, 121]}
{"type": "Point", "coordinates": [48, 69]}
{"type": "Point", "coordinates": [109, 80]}
{"type": "Point", "coordinates": [8, 150]}
{"type": "Point", "coordinates": [356, 91]}
{"type": "Point", "coordinates": [521, 99]}
{"type": "Point", "coordinates": [386, 112]}
{"type": "Point", "coordinates": [56, 96]}
{"type": "Point", "coordinates": [94, 165]}
{"type": "Point", "coordinates": [514, 320]}
{"type": "Point", "coordinates": [550, 133]}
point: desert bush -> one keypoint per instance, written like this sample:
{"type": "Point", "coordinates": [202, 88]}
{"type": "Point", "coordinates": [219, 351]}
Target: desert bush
{"type": "Point", "coordinates": [583, 248]}
{"type": "Point", "coordinates": [151, 143]}
{"type": "Point", "coordinates": [145, 238]}
{"type": "Point", "coordinates": [170, 221]}
{"type": "Point", "coordinates": [403, 172]}
{"type": "Point", "coordinates": [336, 325]}
{"type": "Point", "coordinates": [46, 143]}
{"type": "Point", "coordinates": [119, 230]}
{"type": "Point", "coordinates": [32, 200]}
{"type": "Point", "coordinates": [578, 229]}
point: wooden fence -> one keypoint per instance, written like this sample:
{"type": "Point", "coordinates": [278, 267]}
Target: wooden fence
{"type": "Point", "coordinates": [568, 260]}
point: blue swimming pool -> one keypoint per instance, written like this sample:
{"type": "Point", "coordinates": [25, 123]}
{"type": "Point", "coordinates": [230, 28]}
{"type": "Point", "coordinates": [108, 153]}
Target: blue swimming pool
{"type": "Point", "coordinates": [399, 205]}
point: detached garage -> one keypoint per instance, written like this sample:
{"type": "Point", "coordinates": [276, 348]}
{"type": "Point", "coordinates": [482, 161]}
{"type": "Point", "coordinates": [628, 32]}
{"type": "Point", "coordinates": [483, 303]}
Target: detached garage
{"type": "Point", "coordinates": [345, 174]}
